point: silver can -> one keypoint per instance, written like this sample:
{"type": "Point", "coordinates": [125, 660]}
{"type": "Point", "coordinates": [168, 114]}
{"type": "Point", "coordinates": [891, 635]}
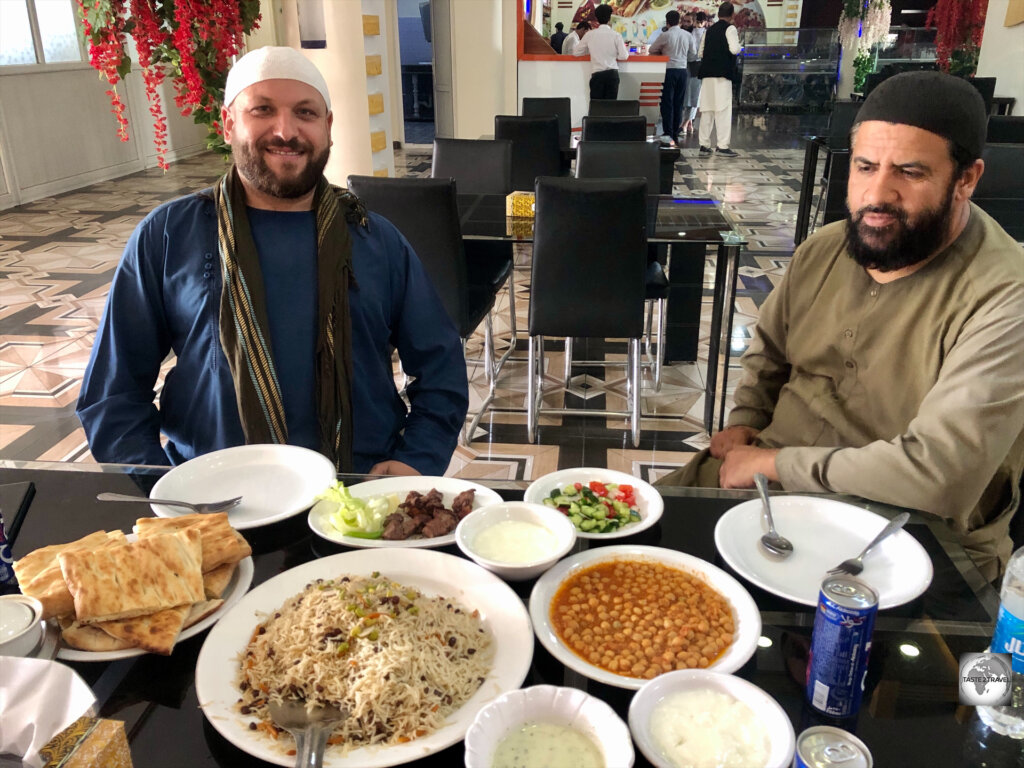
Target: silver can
{"type": "Point", "coordinates": [825, 746]}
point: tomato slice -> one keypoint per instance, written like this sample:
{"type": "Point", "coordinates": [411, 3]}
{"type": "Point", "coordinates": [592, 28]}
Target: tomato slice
{"type": "Point", "coordinates": [578, 486]}
{"type": "Point", "coordinates": [598, 488]}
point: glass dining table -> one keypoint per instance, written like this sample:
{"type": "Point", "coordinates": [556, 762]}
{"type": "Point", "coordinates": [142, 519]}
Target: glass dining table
{"type": "Point", "coordinates": [909, 715]}
{"type": "Point", "coordinates": [687, 226]}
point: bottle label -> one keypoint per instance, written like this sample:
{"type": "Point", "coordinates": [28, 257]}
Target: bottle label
{"type": "Point", "coordinates": [1009, 637]}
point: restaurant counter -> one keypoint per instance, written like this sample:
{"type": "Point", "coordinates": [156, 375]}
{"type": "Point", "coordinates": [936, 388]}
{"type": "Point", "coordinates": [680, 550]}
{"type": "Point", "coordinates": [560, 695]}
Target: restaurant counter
{"type": "Point", "coordinates": [909, 716]}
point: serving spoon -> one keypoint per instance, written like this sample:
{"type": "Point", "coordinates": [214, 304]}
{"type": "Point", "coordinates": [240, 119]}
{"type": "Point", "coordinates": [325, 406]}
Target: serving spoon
{"type": "Point", "coordinates": [309, 727]}
{"type": "Point", "coordinates": [772, 543]}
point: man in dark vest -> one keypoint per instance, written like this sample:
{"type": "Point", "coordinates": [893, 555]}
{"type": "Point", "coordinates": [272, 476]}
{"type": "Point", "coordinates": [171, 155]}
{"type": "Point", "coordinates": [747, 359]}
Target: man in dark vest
{"type": "Point", "coordinates": [558, 38]}
{"type": "Point", "coordinates": [718, 52]}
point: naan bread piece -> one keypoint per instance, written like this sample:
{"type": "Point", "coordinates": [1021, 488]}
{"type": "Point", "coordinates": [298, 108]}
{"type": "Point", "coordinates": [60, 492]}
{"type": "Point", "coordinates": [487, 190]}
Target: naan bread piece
{"type": "Point", "coordinates": [221, 543]}
{"type": "Point", "coordinates": [200, 611]}
{"type": "Point", "coordinates": [145, 576]}
{"type": "Point", "coordinates": [39, 573]}
{"type": "Point", "coordinates": [217, 580]}
{"type": "Point", "coordinates": [154, 632]}
{"type": "Point", "coordinates": [88, 638]}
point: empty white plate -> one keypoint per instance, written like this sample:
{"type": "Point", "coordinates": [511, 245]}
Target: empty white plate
{"type": "Point", "coordinates": [824, 532]}
{"type": "Point", "coordinates": [274, 481]}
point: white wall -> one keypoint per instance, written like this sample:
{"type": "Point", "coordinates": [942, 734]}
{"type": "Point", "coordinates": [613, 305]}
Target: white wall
{"type": "Point", "coordinates": [1002, 54]}
{"type": "Point", "coordinates": [483, 64]}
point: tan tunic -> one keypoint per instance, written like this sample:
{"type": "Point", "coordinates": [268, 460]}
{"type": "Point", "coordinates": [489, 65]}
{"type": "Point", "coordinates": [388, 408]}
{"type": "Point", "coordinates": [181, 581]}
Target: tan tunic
{"type": "Point", "coordinates": [909, 393]}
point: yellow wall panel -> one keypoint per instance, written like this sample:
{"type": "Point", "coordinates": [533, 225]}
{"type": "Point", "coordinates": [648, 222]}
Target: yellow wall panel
{"type": "Point", "coordinates": [376, 101]}
{"type": "Point", "coordinates": [381, 172]}
{"type": "Point", "coordinates": [378, 141]}
{"type": "Point", "coordinates": [373, 65]}
{"type": "Point", "coordinates": [371, 25]}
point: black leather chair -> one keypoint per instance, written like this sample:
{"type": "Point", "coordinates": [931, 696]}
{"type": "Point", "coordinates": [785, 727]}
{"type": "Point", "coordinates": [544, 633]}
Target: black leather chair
{"type": "Point", "coordinates": [613, 108]}
{"type": "Point", "coordinates": [425, 211]}
{"type": "Point", "coordinates": [535, 150]}
{"type": "Point", "coordinates": [987, 88]}
{"type": "Point", "coordinates": [1005, 129]}
{"type": "Point", "coordinates": [623, 159]}
{"type": "Point", "coordinates": [1000, 191]}
{"type": "Point", "coordinates": [595, 228]}
{"type": "Point", "coordinates": [560, 107]}
{"type": "Point", "coordinates": [614, 128]}
{"type": "Point", "coordinates": [840, 121]}
{"type": "Point", "coordinates": [484, 167]}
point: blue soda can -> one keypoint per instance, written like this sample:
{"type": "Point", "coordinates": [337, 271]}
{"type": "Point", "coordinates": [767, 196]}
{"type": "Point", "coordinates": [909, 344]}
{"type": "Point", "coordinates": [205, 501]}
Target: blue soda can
{"type": "Point", "coordinates": [840, 645]}
{"type": "Point", "coordinates": [824, 746]}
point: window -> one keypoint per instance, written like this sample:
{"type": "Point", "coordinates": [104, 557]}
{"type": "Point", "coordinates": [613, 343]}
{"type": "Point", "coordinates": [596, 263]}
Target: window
{"type": "Point", "coordinates": [39, 32]}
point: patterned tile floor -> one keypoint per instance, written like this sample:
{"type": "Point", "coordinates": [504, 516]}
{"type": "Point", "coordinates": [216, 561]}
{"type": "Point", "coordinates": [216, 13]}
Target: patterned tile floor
{"type": "Point", "coordinates": [57, 256]}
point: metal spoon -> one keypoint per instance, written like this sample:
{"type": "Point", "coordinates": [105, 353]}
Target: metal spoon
{"type": "Point", "coordinates": [309, 727]}
{"type": "Point", "coordinates": [213, 506]}
{"type": "Point", "coordinates": [771, 542]}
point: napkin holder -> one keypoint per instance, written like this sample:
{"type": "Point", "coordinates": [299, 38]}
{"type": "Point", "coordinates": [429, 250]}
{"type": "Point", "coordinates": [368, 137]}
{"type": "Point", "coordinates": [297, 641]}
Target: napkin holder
{"type": "Point", "coordinates": [89, 742]}
{"type": "Point", "coordinates": [519, 205]}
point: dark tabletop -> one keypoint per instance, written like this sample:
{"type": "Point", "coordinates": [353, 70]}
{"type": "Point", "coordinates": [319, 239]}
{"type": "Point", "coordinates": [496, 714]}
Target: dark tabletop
{"type": "Point", "coordinates": [909, 717]}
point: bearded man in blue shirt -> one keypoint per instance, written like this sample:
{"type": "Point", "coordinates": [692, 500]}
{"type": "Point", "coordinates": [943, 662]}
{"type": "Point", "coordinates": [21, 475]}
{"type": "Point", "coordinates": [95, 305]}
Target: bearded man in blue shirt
{"type": "Point", "coordinates": [282, 298]}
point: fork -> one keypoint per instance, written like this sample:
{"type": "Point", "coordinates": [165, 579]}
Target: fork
{"type": "Point", "coordinates": [213, 506]}
{"type": "Point", "coordinates": [855, 565]}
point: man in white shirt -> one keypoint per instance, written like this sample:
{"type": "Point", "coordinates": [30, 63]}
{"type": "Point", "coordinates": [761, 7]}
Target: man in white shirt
{"type": "Point", "coordinates": [574, 37]}
{"type": "Point", "coordinates": [718, 51]}
{"type": "Point", "coordinates": [677, 44]}
{"type": "Point", "coordinates": [606, 50]}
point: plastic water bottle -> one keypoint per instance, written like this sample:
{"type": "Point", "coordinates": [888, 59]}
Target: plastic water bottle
{"type": "Point", "coordinates": [1009, 638]}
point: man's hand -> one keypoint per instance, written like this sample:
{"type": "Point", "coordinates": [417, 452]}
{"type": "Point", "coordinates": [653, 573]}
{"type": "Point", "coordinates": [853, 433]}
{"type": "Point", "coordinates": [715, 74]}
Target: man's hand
{"type": "Point", "coordinates": [392, 467]}
{"type": "Point", "coordinates": [745, 461]}
{"type": "Point", "coordinates": [731, 437]}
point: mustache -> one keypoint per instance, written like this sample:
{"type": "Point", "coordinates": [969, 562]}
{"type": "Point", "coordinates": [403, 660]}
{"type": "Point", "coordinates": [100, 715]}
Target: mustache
{"type": "Point", "coordinates": [293, 145]}
{"type": "Point", "coordinates": [885, 209]}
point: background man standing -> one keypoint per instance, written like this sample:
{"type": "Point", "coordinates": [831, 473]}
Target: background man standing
{"type": "Point", "coordinates": [558, 38]}
{"type": "Point", "coordinates": [717, 54]}
{"type": "Point", "coordinates": [574, 37]}
{"type": "Point", "coordinates": [606, 50]}
{"type": "Point", "coordinates": [677, 44]}
{"type": "Point", "coordinates": [281, 298]}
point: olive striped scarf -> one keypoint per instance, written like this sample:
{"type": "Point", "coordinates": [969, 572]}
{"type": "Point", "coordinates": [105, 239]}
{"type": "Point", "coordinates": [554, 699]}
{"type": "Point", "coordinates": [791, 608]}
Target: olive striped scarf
{"type": "Point", "coordinates": [245, 331]}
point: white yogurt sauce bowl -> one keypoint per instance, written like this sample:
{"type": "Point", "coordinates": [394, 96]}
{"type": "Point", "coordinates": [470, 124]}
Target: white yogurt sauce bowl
{"type": "Point", "coordinates": [534, 538]}
{"type": "Point", "coordinates": [567, 707]}
{"type": "Point", "coordinates": [764, 708]}
{"type": "Point", "coordinates": [21, 626]}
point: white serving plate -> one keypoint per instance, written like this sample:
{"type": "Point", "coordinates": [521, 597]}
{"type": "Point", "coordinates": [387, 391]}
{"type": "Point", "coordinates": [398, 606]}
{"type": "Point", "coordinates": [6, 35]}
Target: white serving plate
{"type": "Point", "coordinates": [433, 573]}
{"type": "Point", "coordinates": [824, 532]}
{"type": "Point", "coordinates": [746, 616]}
{"type": "Point", "coordinates": [648, 500]}
{"type": "Point", "coordinates": [274, 481]}
{"type": "Point", "coordinates": [450, 487]}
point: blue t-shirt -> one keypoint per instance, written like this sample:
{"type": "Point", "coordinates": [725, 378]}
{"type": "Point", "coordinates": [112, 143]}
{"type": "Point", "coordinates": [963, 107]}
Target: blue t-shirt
{"type": "Point", "coordinates": [286, 242]}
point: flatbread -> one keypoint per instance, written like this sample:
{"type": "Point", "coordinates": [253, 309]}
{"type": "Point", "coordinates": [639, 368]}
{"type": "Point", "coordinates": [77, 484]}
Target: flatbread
{"type": "Point", "coordinates": [154, 632]}
{"type": "Point", "coordinates": [120, 582]}
{"type": "Point", "coordinates": [88, 638]}
{"type": "Point", "coordinates": [200, 611]}
{"type": "Point", "coordinates": [221, 543]}
{"type": "Point", "coordinates": [39, 573]}
{"type": "Point", "coordinates": [217, 580]}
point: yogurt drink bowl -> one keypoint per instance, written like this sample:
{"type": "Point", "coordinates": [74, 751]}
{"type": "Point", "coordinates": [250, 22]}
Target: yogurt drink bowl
{"type": "Point", "coordinates": [21, 626]}
{"type": "Point", "coordinates": [515, 539]}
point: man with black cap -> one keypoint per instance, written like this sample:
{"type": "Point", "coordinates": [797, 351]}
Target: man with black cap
{"type": "Point", "coordinates": [281, 297]}
{"type": "Point", "coordinates": [887, 363]}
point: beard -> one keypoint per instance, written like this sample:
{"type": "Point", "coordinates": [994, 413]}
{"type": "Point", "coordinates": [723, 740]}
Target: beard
{"type": "Point", "coordinates": [903, 243]}
{"type": "Point", "coordinates": [253, 166]}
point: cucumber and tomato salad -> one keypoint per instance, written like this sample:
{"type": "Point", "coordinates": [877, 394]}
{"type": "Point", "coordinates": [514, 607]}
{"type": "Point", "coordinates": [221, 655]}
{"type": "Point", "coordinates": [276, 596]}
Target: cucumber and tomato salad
{"type": "Point", "coordinates": [596, 507]}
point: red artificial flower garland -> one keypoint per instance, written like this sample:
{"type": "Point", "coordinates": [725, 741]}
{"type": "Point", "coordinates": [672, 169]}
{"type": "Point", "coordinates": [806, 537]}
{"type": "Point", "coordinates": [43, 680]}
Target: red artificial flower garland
{"type": "Point", "coordinates": [959, 26]}
{"type": "Point", "coordinates": [192, 40]}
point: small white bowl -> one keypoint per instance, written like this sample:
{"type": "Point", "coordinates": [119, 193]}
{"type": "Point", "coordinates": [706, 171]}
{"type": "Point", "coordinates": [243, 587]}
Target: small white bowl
{"type": "Point", "coordinates": [569, 707]}
{"type": "Point", "coordinates": [648, 500]}
{"type": "Point", "coordinates": [765, 708]}
{"type": "Point", "coordinates": [473, 524]}
{"type": "Point", "coordinates": [21, 625]}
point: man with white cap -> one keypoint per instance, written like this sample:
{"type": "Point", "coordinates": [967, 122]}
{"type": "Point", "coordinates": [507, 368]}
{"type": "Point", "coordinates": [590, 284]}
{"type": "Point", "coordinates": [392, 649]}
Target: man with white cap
{"type": "Point", "coordinates": [887, 363]}
{"type": "Point", "coordinates": [281, 298]}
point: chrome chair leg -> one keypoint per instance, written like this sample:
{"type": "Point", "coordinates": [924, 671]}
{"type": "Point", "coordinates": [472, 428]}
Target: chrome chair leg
{"type": "Point", "coordinates": [513, 332]}
{"type": "Point", "coordinates": [468, 430]}
{"type": "Point", "coordinates": [649, 312]}
{"type": "Point", "coordinates": [660, 354]}
{"type": "Point", "coordinates": [634, 374]}
{"type": "Point", "coordinates": [568, 361]}
{"type": "Point", "coordinates": [531, 390]}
